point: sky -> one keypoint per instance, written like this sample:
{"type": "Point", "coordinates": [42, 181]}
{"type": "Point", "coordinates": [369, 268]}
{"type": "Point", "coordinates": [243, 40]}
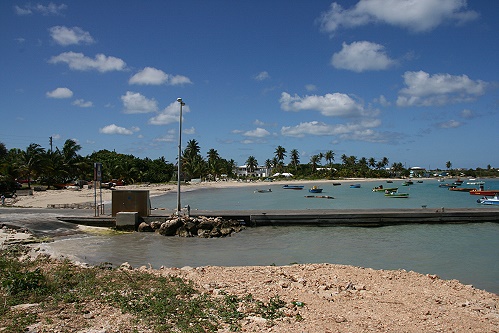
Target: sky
{"type": "Point", "coordinates": [413, 81]}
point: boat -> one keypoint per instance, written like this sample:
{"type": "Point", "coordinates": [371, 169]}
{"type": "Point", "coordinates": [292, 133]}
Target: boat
{"type": "Point", "coordinates": [396, 195]}
{"type": "Point", "coordinates": [293, 187]}
{"type": "Point", "coordinates": [389, 181]}
{"type": "Point", "coordinates": [319, 196]}
{"type": "Point", "coordinates": [484, 192]}
{"type": "Point", "coordinates": [489, 201]}
{"type": "Point", "coordinates": [476, 183]}
{"type": "Point", "coordinates": [457, 182]}
{"type": "Point", "coordinates": [315, 189]}
{"type": "Point", "coordinates": [446, 185]}
{"type": "Point", "coordinates": [407, 183]}
{"type": "Point", "coordinates": [263, 191]}
{"type": "Point", "coordinates": [336, 184]}
{"type": "Point", "coordinates": [383, 189]}
{"type": "Point", "coordinates": [461, 189]}
{"type": "Point", "coordinates": [355, 186]}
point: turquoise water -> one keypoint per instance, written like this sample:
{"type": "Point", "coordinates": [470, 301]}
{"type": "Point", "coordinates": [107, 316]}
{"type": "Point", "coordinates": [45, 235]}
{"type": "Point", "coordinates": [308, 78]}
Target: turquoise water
{"type": "Point", "coordinates": [466, 252]}
{"type": "Point", "coordinates": [427, 194]}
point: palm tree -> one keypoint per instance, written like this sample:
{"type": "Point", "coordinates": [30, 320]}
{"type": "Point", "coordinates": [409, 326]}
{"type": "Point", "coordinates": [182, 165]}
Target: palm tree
{"type": "Point", "coordinates": [280, 153]}
{"type": "Point", "coordinates": [295, 158]}
{"type": "Point", "coordinates": [251, 164]}
{"type": "Point", "coordinates": [329, 156]}
{"type": "Point", "coordinates": [268, 165]}
{"type": "Point", "coordinates": [314, 160]}
{"type": "Point", "coordinates": [213, 162]}
{"type": "Point", "coordinates": [31, 160]}
{"type": "Point", "coordinates": [372, 162]}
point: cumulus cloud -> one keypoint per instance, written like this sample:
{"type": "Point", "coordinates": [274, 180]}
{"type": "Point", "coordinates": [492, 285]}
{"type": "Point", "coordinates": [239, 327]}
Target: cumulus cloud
{"type": "Point", "coordinates": [262, 76]}
{"type": "Point", "coordinates": [60, 93]}
{"type": "Point", "coordinates": [359, 131]}
{"type": "Point", "coordinates": [50, 9]}
{"type": "Point", "coordinates": [423, 89]}
{"type": "Point", "coordinates": [331, 105]}
{"type": "Point", "coordinates": [467, 114]}
{"type": "Point", "coordinates": [257, 133]}
{"type": "Point", "coordinates": [417, 16]}
{"type": "Point", "coordinates": [78, 61]}
{"type": "Point", "coordinates": [310, 87]}
{"type": "Point", "coordinates": [136, 103]}
{"type": "Point", "coordinates": [362, 56]}
{"type": "Point", "coordinates": [168, 115]}
{"type": "Point", "coordinates": [449, 124]}
{"type": "Point", "coordinates": [149, 75]}
{"type": "Point", "coordinates": [153, 76]}
{"type": "Point", "coordinates": [82, 103]}
{"type": "Point", "coordinates": [114, 129]}
{"type": "Point", "coordinates": [70, 36]}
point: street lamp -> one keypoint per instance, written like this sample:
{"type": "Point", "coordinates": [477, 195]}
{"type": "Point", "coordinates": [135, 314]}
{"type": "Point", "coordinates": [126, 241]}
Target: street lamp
{"type": "Point", "coordinates": [179, 162]}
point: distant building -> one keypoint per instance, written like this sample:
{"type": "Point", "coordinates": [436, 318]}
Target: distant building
{"type": "Point", "coordinates": [260, 171]}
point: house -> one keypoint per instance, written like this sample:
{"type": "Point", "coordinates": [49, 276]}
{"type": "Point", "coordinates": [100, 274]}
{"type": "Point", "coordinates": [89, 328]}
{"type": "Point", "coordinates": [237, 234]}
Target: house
{"type": "Point", "coordinates": [260, 171]}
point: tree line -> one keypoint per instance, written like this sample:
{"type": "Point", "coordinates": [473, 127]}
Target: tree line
{"type": "Point", "coordinates": [65, 165]}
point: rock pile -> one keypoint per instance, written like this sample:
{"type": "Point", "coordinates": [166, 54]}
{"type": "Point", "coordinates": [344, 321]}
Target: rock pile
{"type": "Point", "coordinates": [185, 226]}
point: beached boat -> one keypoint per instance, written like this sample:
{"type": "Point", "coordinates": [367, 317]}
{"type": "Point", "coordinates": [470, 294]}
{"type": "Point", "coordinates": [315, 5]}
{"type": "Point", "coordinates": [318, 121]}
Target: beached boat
{"type": "Point", "coordinates": [319, 196]}
{"type": "Point", "coordinates": [315, 189]}
{"type": "Point", "coordinates": [489, 201]}
{"type": "Point", "coordinates": [293, 187]}
{"type": "Point", "coordinates": [396, 195]}
{"type": "Point", "coordinates": [263, 191]}
{"type": "Point", "coordinates": [383, 189]}
{"type": "Point", "coordinates": [355, 186]}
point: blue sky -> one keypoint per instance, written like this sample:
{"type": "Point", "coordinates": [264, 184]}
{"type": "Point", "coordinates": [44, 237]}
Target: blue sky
{"type": "Point", "coordinates": [413, 81]}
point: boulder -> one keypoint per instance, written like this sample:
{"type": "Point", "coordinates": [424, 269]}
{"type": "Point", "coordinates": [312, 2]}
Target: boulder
{"type": "Point", "coordinates": [169, 228]}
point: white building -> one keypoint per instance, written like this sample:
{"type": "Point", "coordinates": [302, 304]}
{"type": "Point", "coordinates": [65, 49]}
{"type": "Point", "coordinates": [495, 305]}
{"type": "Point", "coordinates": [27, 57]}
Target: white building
{"type": "Point", "coordinates": [260, 171]}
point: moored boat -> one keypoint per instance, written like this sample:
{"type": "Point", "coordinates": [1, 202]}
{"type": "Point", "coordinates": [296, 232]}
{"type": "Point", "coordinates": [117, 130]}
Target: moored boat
{"type": "Point", "coordinates": [319, 196]}
{"type": "Point", "coordinates": [315, 189]}
{"type": "Point", "coordinates": [263, 191]}
{"type": "Point", "coordinates": [484, 192]}
{"type": "Point", "coordinates": [383, 189]}
{"type": "Point", "coordinates": [355, 186]}
{"type": "Point", "coordinates": [489, 201]}
{"type": "Point", "coordinates": [396, 195]}
{"type": "Point", "coordinates": [293, 187]}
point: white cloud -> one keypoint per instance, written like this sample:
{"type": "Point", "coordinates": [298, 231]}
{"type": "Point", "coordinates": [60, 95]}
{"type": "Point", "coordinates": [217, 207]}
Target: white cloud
{"type": "Point", "coordinates": [331, 105]}
{"type": "Point", "coordinates": [70, 36]}
{"type": "Point", "coordinates": [170, 114]}
{"type": "Point", "coordinates": [114, 129]}
{"type": "Point", "coordinates": [137, 103]}
{"type": "Point", "coordinates": [423, 89]}
{"type": "Point", "coordinates": [262, 76]}
{"type": "Point", "coordinates": [450, 124]}
{"type": "Point", "coordinates": [178, 80]}
{"type": "Point", "coordinates": [50, 9]}
{"type": "Point", "coordinates": [362, 56]}
{"type": "Point", "coordinates": [78, 61]}
{"type": "Point", "coordinates": [418, 16]}
{"type": "Point", "coordinates": [82, 103]}
{"type": "Point", "coordinates": [60, 93]}
{"type": "Point", "coordinates": [311, 87]}
{"type": "Point", "coordinates": [361, 131]}
{"type": "Point", "coordinates": [467, 114]}
{"type": "Point", "coordinates": [189, 131]}
{"type": "Point", "coordinates": [257, 133]}
{"type": "Point", "coordinates": [153, 76]}
{"type": "Point", "coordinates": [149, 75]}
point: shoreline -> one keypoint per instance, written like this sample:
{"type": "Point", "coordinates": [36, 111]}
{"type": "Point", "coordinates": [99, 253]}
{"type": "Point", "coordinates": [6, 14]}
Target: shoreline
{"type": "Point", "coordinates": [41, 199]}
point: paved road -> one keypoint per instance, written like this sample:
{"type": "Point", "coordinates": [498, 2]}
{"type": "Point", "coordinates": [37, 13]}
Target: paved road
{"type": "Point", "coordinates": [41, 221]}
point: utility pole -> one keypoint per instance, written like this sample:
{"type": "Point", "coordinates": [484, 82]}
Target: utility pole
{"type": "Point", "coordinates": [50, 144]}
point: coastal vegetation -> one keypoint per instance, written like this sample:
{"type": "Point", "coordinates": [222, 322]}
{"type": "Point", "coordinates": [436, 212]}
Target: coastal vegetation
{"type": "Point", "coordinates": [46, 291]}
{"type": "Point", "coordinates": [65, 165]}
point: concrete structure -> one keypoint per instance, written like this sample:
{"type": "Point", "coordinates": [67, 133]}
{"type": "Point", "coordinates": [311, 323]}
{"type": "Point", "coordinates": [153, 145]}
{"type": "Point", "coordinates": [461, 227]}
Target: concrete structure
{"type": "Point", "coordinates": [260, 171]}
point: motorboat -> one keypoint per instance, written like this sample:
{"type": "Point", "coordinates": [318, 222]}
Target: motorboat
{"type": "Point", "coordinates": [396, 195]}
{"type": "Point", "coordinates": [315, 189]}
{"type": "Point", "coordinates": [263, 191]}
{"type": "Point", "coordinates": [489, 201]}
{"type": "Point", "coordinates": [319, 196]}
{"type": "Point", "coordinates": [355, 186]}
{"type": "Point", "coordinates": [293, 187]}
{"type": "Point", "coordinates": [383, 189]}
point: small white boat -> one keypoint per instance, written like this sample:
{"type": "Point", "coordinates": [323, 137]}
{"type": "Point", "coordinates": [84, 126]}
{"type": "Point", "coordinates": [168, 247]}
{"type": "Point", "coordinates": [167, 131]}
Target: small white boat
{"type": "Point", "coordinates": [489, 201]}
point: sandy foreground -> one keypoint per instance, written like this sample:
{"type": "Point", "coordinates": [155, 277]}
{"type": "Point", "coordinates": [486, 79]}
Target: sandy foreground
{"type": "Point", "coordinates": [318, 297]}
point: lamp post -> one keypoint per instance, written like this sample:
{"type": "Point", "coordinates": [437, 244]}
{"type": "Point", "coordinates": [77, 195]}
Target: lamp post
{"type": "Point", "coordinates": [179, 162]}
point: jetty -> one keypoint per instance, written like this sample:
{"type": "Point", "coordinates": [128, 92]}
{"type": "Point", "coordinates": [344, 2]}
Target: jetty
{"type": "Point", "coordinates": [325, 217]}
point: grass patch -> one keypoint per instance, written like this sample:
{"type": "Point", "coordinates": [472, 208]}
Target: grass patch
{"type": "Point", "coordinates": [161, 303]}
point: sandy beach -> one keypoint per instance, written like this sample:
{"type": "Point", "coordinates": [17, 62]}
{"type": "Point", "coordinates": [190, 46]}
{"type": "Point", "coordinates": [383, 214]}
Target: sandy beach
{"type": "Point", "coordinates": [332, 298]}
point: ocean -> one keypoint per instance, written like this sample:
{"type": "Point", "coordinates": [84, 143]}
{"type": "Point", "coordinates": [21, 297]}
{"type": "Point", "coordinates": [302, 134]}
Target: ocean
{"type": "Point", "coordinates": [466, 252]}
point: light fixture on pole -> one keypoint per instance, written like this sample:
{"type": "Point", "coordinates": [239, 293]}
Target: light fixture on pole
{"type": "Point", "coordinates": [179, 161]}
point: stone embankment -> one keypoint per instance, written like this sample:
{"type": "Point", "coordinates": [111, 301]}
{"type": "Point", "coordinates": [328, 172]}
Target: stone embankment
{"type": "Point", "coordinates": [185, 226]}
